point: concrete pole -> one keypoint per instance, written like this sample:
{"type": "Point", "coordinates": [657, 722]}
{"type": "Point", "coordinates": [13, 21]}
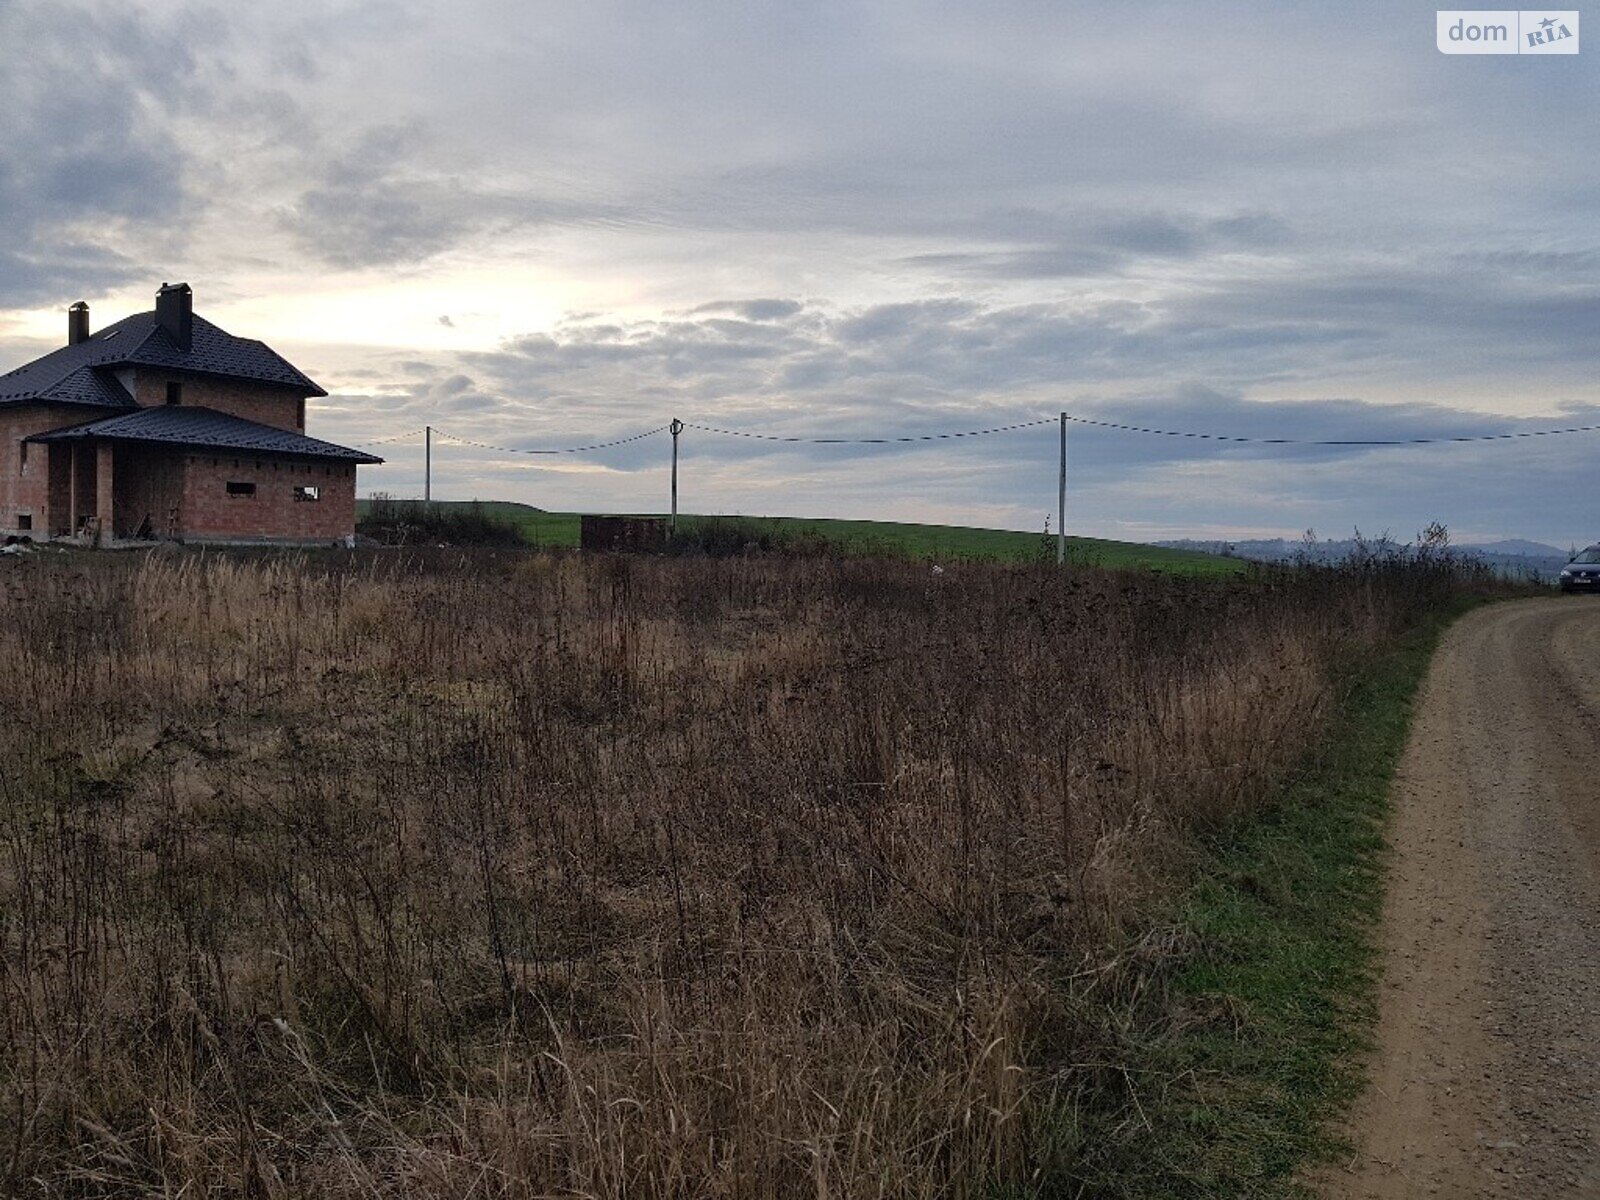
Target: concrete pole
{"type": "Point", "coordinates": [676, 427]}
{"type": "Point", "coordinates": [1061, 498]}
{"type": "Point", "coordinates": [427, 463]}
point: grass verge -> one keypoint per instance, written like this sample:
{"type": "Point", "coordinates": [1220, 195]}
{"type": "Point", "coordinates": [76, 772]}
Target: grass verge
{"type": "Point", "coordinates": [1243, 1049]}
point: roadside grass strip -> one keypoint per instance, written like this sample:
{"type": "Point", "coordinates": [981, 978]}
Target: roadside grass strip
{"type": "Point", "coordinates": [1241, 1050]}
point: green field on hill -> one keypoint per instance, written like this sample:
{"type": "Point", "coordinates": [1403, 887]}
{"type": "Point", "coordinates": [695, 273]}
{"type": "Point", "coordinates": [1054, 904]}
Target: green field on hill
{"type": "Point", "coordinates": [933, 542]}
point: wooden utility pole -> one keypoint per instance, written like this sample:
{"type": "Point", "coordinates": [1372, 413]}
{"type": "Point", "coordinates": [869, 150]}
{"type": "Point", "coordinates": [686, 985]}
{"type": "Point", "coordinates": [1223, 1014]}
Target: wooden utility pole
{"type": "Point", "coordinates": [676, 427]}
{"type": "Point", "coordinates": [1061, 498]}
{"type": "Point", "coordinates": [427, 463]}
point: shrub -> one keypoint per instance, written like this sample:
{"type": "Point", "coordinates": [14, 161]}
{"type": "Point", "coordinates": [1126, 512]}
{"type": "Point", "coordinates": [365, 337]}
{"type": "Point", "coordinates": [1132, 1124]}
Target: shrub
{"type": "Point", "coordinates": [417, 522]}
{"type": "Point", "coordinates": [725, 536]}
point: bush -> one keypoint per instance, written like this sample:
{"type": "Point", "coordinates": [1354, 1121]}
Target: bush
{"type": "Point", "coordinates": [723, 537]}
{"type": "Point", "coordinates": [416, 522]}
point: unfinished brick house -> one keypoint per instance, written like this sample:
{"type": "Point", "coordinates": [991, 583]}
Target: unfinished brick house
{"type": "Point", "coordinates": [164, 426]}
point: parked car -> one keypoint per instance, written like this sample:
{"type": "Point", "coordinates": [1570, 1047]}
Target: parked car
{"type": "Point", "coordinates": [1582, 574]}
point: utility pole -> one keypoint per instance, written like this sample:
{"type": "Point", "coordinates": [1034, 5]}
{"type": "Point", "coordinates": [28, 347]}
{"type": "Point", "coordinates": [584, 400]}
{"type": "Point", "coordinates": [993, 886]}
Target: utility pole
{"type": "Point", "coordinates": [1061, 498]}
{"type": "Point", "coordinates": [427, 464]}
{"type": "Point", "coordinates": [676, 427]}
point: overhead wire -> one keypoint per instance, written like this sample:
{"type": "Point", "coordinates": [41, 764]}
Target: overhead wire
{"type": "Point", "coordinates": [972, 433]}
{"type": "Point", "coordinates": [1275, 441]}
{"type": "Point", "coordinates": [563, 450]}
{"type": "Point", "coordinates": [871, 441]}
{"type": "Point", "coordinates": [399, 437]}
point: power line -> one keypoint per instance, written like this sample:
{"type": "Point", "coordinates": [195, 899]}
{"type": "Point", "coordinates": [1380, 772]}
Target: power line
{"type": "Point", "coordinates": [564, 450]}
{"type": "Point", "coordinates": [874, 441]}
{"type": "Point", "coordinates": [676, 427]}
{"type": "Point", "coordinates": [970, 433]}
{"type": "Point", "coordinates": [1266, 441]}
{"type": "Point", "coordinates": [399, 437]}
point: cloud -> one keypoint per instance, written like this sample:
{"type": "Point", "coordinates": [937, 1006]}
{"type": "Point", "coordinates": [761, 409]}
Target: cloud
{"type": "Point", "coordinates": [85, 160]}
{"type": "Point", "coordinates": [370, 208]}
{"type": "Point", "coordinates": [753, 310]}
{"type": "Point", "coordinates": [1089, 245]}
{"type": "Point", "coordinates": [909, 369]}
{"type": "Point", "coordinates": [1175, 215]}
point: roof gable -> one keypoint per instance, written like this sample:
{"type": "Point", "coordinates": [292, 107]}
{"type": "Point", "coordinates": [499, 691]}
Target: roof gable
{"type": "Point", "coordinates": [139, 341]}
{"type": "Point", "coordinates": [214, 351]}
{"type": "Point", "coordinates": [38, 379]}
{"type": "Point", "coordinates": [89, 386]}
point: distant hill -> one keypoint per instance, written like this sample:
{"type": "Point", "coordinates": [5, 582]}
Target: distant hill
{"type": "Point", "coordinates": [1520, 546]}
{"type": "Point", "coordinates": [1512, 556]}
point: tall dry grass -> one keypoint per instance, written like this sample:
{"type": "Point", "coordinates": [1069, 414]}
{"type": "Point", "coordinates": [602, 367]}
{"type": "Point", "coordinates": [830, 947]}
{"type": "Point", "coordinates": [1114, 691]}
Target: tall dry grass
{"type": "Point", "coordinates": [553, 875]}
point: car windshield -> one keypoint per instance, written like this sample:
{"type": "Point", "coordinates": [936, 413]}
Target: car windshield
{"type": "Point", "coordinates": [1591, 555]}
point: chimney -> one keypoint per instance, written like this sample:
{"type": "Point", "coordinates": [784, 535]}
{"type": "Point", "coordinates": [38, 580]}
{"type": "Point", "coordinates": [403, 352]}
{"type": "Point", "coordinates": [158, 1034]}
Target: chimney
{"type": "Point", "coordinates": [175, 313]}
{"type": "Point", "coordinates": [77, 323]}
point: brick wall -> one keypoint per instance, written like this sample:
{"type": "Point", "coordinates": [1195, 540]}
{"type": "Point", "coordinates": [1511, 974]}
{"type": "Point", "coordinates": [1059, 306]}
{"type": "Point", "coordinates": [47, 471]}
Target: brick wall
{"type": "Point", "coordinates": [60, 516]}
{"type": "Point", "coordinates": [84, 473]}
{"type": "Point", "coordinates": [264, 403]}
{"type": "Point", "coordinates": [148, 485]}
{"type": "Point", "coordinates": [273, 512]}
{"type": "Point", "coordinates": [25, 489]}
{"type": "Point", "coordinates": [135, 482]}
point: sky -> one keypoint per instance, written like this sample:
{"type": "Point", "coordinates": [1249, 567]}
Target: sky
{"type": "Point", "coordinates": [537, 225]}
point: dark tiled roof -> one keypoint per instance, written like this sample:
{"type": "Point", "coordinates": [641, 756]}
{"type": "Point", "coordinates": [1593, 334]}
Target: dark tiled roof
{"type": "Point", "coordinates": [181, 425]}
{"type": "Point", "coordinates": [217, 353]}
{"type": "Point", "coordinates": [89, 386]}
{"type": "Point", "coordinates": [139, 341]}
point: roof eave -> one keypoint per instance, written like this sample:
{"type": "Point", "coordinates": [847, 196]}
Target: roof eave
{"type": "Point", "coordinates": [82, 432]}
{"type": "Point", "coordinates": [66, 402]}
{"type": "Point", "coordinates": [307, 388]}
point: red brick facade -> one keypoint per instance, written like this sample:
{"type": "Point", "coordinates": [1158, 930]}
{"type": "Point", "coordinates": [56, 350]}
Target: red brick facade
{"type": "Point", "coordinates": [274, 506]}
{"type": "Point", "coordinates": [262, 403]}
{"type": "Point", "coordinates": [25, 471]}
{"type": "Point", "coordinates": [163, 492]}
{"type": "Point", "coordinates": [212, 446]}
{"type": "Point", "coordinates": [148, 488]}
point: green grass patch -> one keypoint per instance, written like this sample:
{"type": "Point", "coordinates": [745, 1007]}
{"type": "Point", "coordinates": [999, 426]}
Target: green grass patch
{"type": "Point", "coordinates": [933, 542]}
{"type": "Point", "coordinates": [1241, 1049]}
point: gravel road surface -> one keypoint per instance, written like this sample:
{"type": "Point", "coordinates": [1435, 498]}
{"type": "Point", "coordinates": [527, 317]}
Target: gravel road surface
{"type": "Point", "coordinates": [1486, 1076]}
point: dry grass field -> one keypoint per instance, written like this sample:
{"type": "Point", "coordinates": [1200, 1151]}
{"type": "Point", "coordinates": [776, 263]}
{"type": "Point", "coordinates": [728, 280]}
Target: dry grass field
{"type": "Point", "coordinates": [546, 874]}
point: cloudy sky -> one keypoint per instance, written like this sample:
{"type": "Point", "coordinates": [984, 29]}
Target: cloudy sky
{"type": "Point", "coordinates": [543, 225]}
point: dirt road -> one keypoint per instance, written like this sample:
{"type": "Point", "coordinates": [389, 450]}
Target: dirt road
{"type": "Point", "coordinates": [1486, 1079]}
